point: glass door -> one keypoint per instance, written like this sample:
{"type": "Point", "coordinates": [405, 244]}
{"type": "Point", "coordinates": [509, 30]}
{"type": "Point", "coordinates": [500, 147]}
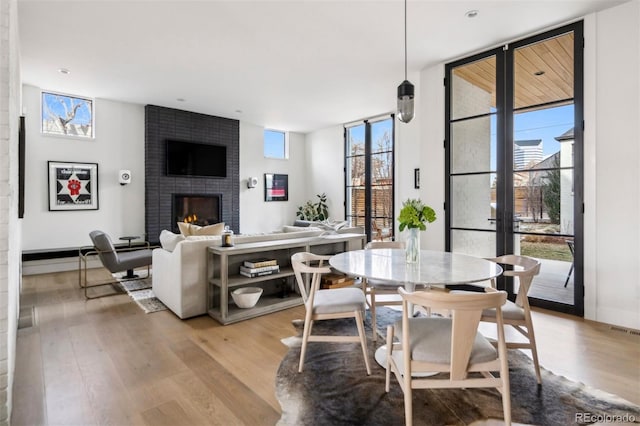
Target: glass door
{"type": "Point", "coordinates": [514, 159]}
{"type": "Point", "coordinates": [369, 177]}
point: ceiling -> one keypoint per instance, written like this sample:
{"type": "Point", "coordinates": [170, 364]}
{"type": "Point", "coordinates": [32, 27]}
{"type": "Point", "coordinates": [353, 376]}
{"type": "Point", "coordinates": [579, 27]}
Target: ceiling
{"type": "Point", "coordinates": [287, 65]}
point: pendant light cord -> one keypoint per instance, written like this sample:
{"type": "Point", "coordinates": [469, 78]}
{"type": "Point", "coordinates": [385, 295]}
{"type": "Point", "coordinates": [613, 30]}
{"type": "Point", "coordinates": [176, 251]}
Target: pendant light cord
{"type": "Point", "coordinates": [405, 39]}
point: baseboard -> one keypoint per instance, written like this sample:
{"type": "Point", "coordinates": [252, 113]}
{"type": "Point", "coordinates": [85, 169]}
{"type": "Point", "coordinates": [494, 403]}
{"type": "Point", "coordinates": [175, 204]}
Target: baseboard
{"type": "Point", "coordinates": [47, 266]}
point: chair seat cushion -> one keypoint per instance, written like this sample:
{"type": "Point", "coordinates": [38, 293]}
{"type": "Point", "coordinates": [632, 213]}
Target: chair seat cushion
{"type": "Point", "coordinates": [430, 341]}
{"type": "Point", "coordinates": [134, 259]}
{"type": "Point", "coordinates": [338, 300]}
{"type": "Point", "coordinates": [510, 311]}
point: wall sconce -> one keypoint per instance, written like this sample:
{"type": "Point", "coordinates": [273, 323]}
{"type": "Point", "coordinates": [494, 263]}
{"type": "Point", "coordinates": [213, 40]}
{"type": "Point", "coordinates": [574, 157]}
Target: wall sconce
{"type": "Point", "coordinates": [252, 182]}
{"type": "Point", "coordinates": [124, 177]}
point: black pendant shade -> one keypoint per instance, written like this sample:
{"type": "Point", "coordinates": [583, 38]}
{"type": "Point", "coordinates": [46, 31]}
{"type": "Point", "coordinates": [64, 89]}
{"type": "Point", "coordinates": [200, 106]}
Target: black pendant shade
{"type": "Point", "coordinates": [406, 90]}
{"type": "Point", "coordinates": [405, 101]}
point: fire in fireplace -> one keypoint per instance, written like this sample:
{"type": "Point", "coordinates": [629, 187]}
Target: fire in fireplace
{"type": "Point", "coordinates": [198, 209]}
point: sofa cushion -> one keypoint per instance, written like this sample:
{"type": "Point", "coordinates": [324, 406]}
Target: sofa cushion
{"type": "Point", "coordinates": [169, 240]}
{"type": "Point", "coordinates": [188, 229]}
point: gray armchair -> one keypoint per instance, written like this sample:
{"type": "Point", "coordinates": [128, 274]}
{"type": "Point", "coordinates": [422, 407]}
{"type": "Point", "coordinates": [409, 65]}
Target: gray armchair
{"type": "Point", "coordinates": [113, 259]}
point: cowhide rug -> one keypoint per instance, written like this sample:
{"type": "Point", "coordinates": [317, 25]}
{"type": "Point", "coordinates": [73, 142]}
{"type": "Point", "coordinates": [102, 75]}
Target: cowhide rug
{"type": "Point", "coordinates": [335, 390]}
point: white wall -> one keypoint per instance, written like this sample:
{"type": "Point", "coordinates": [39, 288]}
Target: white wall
{"type": "Point", "coordinates": [612, 234]}
{"type": "Point", "coordinates": [119, 144]}
{"type": "Point", "coordinates": [257, 215]}
{"type": "Point", "coordinates": [10, 235]}
{"type": "Point", "coordinates": [325, 168]}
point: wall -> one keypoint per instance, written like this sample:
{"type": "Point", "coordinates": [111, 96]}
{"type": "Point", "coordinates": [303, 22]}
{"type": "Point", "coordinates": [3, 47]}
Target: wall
{"type": "Point", "coordinates": [168, 123]}
{"type": "Point", "coordinates": [325, 166]}
{"type": "Point", "coordinates": [257, 215]}
{"type": "Point", "coordinates": [119, 144]}
{"type": "Point", "coordinates": [612, 161]}
{"type": "Point", "coordinates": [10, 234]}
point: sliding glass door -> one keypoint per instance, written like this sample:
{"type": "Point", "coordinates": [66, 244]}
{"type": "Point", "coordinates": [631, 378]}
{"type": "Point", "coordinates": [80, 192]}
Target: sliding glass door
{"type": "Point", "coordinates": [514, 159]}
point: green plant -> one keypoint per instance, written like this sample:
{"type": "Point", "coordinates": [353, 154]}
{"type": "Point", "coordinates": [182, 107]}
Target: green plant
{"type": "Point", "coordinates": [314, 211]}
{"type": "Point", "coordinates": [415, 214]}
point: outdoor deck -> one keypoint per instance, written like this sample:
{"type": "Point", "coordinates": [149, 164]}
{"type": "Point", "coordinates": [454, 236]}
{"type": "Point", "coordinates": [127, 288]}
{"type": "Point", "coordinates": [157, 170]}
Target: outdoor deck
{"type": "Point", "coordinates": [549, 284]}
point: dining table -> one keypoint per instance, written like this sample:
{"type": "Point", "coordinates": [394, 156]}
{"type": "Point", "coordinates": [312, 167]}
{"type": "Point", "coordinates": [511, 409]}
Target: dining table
{"type": "Point", "coordinates": [434, 269]}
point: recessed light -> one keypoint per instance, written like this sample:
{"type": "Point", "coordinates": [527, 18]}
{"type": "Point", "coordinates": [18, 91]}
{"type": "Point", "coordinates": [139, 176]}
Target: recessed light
{"type": "Point", "coordinates": [180, 99]}
{"type": "Point", "coordinates": [64, 71]}
{"type": "Point", "coordinates": [471, 13]}
{"type": "Point", "coordinates": [538, 73]}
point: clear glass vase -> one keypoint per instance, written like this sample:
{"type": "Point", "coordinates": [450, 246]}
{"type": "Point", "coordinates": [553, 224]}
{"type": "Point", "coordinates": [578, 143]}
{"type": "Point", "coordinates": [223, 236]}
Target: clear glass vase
{"type": "Point", "coordinates": [412, 246]}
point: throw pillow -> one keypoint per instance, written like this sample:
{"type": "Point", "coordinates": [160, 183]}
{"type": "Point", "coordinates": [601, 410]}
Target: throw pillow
{"type": "Point", "coordinates": [207, 230]}
{"type": "Point", "coordinates": [189, 229]}
{"type": "Point", "coordinates": [185, 229]}
{"type": "Point", "coordinates": [169, 240]}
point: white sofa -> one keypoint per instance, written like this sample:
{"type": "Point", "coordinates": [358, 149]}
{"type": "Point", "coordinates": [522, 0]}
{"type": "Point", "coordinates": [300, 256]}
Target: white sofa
{"type": "Point", "coordinates": [180, 275]}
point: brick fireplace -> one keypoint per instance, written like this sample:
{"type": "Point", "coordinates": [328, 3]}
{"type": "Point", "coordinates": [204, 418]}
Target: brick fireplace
{"type": "Point", "coordinates": [162, 124]}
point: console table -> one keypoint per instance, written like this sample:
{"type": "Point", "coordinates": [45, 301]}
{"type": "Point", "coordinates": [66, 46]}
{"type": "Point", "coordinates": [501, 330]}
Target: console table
{"type": "Point", "coordinates": [279, 289]}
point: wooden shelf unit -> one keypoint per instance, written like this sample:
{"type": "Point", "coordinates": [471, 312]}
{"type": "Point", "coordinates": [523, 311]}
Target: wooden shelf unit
{"type": "Point", "coordinates": [280, 289]}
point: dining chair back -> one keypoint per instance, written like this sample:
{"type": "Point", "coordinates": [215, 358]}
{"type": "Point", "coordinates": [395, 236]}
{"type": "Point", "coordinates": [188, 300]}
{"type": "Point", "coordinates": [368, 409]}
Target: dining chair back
{"type": "Point", "coordinates": [453, 345]}
{"type": "Point", "coordinates": [518, 314]}
{"type": "Point", "coordinates": [374, 288]}
{"type": "Point", "coordinates": [326, 304]}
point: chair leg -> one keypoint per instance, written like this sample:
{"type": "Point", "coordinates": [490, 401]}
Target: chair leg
{"type": "Point", "coordinates": [372, 309]}
{"type": "Point", "coordinates": [363, 340]}
{"type": "Point", "coordinates": [408, 398]}
{"type": "Point", "coordinates": [387, 381]}
{"type": "Point", "coordinates": [534, 350]}
{"type": "Point", "coordinates": [306, 332]}
{"type": "Point", "coordinates": [506, 394]}
{"type": "Point", "coordinates": [568, 275]}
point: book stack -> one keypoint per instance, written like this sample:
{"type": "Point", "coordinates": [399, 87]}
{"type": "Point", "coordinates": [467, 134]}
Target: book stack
{"type": "Point", "coordinates": [259, 267]}
{"type": "Point", "coordinates": [329, 281]}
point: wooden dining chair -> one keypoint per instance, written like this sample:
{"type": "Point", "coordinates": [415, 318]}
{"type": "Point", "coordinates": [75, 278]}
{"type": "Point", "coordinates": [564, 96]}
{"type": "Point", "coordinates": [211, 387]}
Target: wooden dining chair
{"type": "Point", "coordinates": [518, 314]}
{"type": "Point", "coordinates": [327, 304]}
{"type": "Point", "coordinates": [450, 345]}
{"type": "Point", "coordinates": [373, 288]}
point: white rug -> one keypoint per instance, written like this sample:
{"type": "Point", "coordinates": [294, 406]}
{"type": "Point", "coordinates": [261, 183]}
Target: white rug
{"type": "Point", "coordinates": [141, 293]}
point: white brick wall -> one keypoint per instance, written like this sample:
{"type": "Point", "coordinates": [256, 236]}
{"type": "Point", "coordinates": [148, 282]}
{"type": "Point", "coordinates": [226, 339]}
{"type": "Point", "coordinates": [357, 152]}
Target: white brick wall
{"type": "Point", "coordinates": [9, 226]}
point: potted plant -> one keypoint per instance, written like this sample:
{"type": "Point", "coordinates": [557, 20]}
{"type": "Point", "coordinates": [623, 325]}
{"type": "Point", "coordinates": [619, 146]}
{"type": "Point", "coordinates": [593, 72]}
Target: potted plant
{"type": "Point", "coordinates": [414, 216]}
{"type": "Point", "coordinates": [314, 212]}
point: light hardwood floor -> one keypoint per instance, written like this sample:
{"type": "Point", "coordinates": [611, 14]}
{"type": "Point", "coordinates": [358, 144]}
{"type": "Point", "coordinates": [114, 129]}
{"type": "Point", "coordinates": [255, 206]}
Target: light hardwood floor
{"type": "Point", "coordinates": [105, 361]}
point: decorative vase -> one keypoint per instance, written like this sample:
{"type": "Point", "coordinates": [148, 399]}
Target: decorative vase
{"type": "Point", "coordinates": [412, 246]}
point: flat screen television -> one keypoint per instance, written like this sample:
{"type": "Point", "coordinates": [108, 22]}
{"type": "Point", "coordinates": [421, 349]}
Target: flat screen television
{"type": "Point", "coordinates": [196, 159]}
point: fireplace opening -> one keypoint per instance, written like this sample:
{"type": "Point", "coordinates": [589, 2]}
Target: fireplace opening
{"type": "Point", "coordinates": [198, 209]}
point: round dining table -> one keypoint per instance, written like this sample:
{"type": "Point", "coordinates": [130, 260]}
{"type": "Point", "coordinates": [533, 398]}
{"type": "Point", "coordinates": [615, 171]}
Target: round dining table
{"type": "Point", "coordinates": [435, 268]}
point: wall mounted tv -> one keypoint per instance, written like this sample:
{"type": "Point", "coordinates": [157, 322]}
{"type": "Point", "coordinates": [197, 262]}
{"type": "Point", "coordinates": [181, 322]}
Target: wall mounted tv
{"type": "Point", "coordinates": [196, 159]}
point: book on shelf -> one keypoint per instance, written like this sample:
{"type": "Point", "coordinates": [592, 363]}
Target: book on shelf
{"type": "Point", "coordinates": [248, 270]}
{"type": "Point", "coordinates": [336, 281]}
{"type": "Point", "coordinates": [260, 262]}
{"type": "Point", "coordinates": [258, 274]}
{"type": "Point", "coordinates": [346, 283]}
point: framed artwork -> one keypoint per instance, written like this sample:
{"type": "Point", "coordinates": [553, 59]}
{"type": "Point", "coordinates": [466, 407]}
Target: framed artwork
{"type": "Point", "coordinates": [416, 178]}
{"type": "Point", "coordinates": [276, 187]}
{"type": "Point", "coordinates": [73, 186]}
{"type": "Point", "coordinates": [67, 115]}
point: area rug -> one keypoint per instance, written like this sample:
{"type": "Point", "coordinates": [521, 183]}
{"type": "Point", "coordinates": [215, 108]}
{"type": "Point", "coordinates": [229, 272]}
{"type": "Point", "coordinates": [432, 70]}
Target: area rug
{"type": "Point", "coordinates": [141, 293]}
{"type": "Point", "coordinates": [335, 390]}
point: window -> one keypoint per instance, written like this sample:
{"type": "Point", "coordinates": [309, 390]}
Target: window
{"type": "Point", "coordinates": [369, 149]}
{"type": "Point", "coordinates": [275, 144]}
{"type": "Point", "coordinates": [67, 115]}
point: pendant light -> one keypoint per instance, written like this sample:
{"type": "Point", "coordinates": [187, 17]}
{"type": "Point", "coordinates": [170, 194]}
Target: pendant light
{"type": "Point", "coordinates": [406, 89]}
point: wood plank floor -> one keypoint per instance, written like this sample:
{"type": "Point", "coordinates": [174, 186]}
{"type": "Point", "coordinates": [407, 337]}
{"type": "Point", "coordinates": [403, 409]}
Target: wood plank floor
{"type": "Point", "coordinates": [104, 361]}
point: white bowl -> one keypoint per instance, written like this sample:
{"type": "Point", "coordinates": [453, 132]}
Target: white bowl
{"type": "Point", "coordinates": [246, 297]}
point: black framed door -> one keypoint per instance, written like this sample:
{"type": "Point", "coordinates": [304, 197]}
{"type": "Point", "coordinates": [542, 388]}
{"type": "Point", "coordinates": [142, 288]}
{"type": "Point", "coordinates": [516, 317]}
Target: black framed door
{"type": "Point", "coordinates": [514, 132]}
